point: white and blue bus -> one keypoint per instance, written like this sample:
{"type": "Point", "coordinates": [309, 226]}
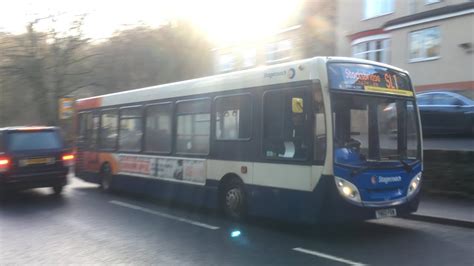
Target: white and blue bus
{"type": "Point", "coordinates": [326, 138]}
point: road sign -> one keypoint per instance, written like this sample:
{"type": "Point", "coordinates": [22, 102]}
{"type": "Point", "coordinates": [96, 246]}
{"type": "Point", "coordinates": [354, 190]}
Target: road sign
{"type": "Point", "coordinates": [66, 107]}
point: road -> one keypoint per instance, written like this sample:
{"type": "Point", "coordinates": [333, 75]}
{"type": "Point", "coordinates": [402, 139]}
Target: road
{"type": "Point", "coordinates": [86, 226]}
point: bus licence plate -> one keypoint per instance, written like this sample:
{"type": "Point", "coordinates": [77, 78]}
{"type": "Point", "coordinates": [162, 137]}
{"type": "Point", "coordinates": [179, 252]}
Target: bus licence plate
{"type": "Point", "coordinates": [383, 213]}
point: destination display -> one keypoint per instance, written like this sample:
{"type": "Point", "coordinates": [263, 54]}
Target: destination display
{"type": "Point", "coordinates": [362, 77]}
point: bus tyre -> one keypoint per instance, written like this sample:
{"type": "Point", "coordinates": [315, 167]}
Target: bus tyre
{"type": "Point", "coordinates": [106, 178]}
{"type": "Point", "coordinates": [233, 200]}
{"type": "Point", "coordinates": [57, 190]}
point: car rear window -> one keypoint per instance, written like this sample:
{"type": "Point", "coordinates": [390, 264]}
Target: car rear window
{"type": "Point", "coordinates": [26, 141]}
{"type": "Point", "coordinates": [467, 93]}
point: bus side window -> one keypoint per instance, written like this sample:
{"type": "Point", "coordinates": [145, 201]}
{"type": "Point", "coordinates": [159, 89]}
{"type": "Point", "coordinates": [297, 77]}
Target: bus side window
{"type": "Point", "coordinates": [109, 129]}
{"type": "Point", "coordinates": [82, 126]}
{"type": "Point", "coordinates": [285, 124]}
{"type": "Point", "coordinates": [131, 131]}
{"type": "Point", "coordinates": [158, 134]}
{"type": "Point", "coordinates": [233, 117]}
{"type": "Point", "coordinates": [193, 127]}
{"type": "Point", "coordinates": [94, 131]}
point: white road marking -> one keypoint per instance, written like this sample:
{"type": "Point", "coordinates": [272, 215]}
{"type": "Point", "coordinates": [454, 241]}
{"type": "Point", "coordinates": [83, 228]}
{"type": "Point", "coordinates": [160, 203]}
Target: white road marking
{"type": "Point", "coordinates": [164, 215]}
{"type": "Point", "coordinates": [80, 193]}
{"type": "Point", "coordinates": [327, 256]}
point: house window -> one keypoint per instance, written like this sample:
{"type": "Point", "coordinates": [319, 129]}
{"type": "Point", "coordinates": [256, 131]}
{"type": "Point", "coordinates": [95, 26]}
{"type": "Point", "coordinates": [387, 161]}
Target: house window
{"type": "Point", "coordinates": [376, 50]}
{"type": "Point", "coordinates": [425, 44]}
{"type": "Point", "coordinates": [249, 58]}
{"type": "Point", "coordinates": [375, 8]}
{"type": "Point", "coordinates": [226, 62]}
{"type": "Point", "coordinates": [279, 51]}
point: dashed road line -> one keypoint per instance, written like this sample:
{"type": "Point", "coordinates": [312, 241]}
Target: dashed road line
{"type": "Point", "coordinates": [327, 256]}
{"type": "Point", "coordinates": [164, 215]}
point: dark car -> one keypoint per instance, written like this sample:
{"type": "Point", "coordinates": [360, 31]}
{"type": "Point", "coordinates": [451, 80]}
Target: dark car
{"type": "Point", "coordinates": [447, 112]}
{"type": "Point", "coordinates": [32, 157]}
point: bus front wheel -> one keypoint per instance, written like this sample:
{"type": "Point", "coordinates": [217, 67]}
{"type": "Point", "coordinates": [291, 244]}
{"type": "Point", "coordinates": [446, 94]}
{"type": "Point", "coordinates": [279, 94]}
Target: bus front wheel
{"type": "Point", "coordinates": [233, 199]}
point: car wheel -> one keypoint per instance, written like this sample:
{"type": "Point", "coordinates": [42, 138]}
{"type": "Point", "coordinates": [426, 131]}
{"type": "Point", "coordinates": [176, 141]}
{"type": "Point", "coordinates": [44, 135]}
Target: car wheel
{"type": "Point", "coordinates": [233, 200]}
{"type": "Point", "coordinates": [58, 189]}
{"type": "Point", "coordinates": [106, 178]}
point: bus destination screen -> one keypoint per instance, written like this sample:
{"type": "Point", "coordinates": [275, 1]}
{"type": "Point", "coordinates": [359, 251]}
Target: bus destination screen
{"type": "Point", "coordinates": [370, 78]}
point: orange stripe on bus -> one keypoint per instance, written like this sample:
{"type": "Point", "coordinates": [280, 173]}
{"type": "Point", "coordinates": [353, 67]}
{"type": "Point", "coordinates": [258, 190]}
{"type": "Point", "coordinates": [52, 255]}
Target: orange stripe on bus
{"type": "Point", "coordinates": [89, 103]}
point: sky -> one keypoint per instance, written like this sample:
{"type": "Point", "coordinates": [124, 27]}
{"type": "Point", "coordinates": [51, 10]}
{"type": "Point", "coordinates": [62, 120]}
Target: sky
{"type": "Point", "coordinates": [225, 21]}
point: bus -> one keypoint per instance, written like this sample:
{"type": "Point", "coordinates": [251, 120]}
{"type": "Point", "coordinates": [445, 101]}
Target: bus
{"type": "Point", "coordinates": [319, 139]}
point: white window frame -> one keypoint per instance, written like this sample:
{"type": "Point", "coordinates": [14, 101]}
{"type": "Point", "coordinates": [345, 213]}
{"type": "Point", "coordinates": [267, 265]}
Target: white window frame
{"type": "Point", "coordinates": [424, 56]}
{"type": "Point", "coordinates": [278, 47]}
{"type": "Point", "coordinates": [249, 58]}
{"type": "Point", "coordinates": [226, 62]}
{"type": "Point", "coordinates": [378, 13]}
{"type": "Point", "coordinates": [370, 39]}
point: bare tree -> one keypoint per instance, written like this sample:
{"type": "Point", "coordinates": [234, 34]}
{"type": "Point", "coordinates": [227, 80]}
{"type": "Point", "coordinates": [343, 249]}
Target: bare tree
{"type": "Point", "coordinates": [49, 62]}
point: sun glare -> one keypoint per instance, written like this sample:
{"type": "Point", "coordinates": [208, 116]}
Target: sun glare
{"type": "Point", "coordinates": [225, 21]}
{"type": "Point", "coordinates": [238, 20]}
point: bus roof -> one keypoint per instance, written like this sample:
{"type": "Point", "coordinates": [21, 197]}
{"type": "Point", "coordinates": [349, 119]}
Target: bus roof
{"type": "Point", "coordinates": [299, 70]}
{"type": "Point", "coordinates": [28, 128]}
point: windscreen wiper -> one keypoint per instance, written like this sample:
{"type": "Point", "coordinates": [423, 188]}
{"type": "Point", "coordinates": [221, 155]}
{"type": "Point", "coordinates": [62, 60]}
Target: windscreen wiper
{"type": "Point", "coordinates": [406, 166]}
{"type": "Point", "coordinates": [357, 171]}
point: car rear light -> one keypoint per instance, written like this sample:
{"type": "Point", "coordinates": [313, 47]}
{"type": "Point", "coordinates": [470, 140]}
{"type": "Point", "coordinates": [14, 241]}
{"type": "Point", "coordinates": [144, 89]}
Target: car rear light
{"type": "Point", "coordinates": [68, 159]}
{"type": "Point", "coordinates": [4, 164]}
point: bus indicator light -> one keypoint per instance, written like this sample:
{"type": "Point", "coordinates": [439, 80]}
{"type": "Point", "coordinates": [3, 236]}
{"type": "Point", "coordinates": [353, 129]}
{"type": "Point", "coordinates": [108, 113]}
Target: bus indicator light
{"type": "Point", "coordinates": [4, 164]}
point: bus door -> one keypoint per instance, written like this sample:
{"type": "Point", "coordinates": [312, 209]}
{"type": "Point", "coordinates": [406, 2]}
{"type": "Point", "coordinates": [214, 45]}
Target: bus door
{"type": "Point", "coordinates": [87, 143]}
{"type": "Point", "coordinates": [286, 139]}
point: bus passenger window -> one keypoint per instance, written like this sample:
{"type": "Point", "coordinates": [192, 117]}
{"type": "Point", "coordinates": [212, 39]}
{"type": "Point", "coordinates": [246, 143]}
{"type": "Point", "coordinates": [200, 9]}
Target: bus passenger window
{"type": "Point", "coordinates": [92, 131]}
{"type": "Point", "coordinates": [285, 125]}
{"type": "Point", "coordinates": [193, 121]}
{"type": "Point", "coordinates": [130, 129]}
{"type": "Point", "coordinates": [108, 129]}
{"type": "Point", "coordinates": [233, 117]}
{"type": "Point", "coordinates": [82, 126]}
{"type": "Point", "coordinates": [158, 128]}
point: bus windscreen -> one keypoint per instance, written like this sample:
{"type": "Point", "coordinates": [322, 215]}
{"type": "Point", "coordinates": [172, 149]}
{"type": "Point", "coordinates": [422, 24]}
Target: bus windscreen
{"type": "Point", "coordinates": [370, 78]}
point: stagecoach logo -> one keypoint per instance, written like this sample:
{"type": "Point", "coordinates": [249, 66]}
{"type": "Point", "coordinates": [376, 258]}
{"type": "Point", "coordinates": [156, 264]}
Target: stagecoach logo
{"type": "Point", "coordinates": [373, 179]}
{"type": "Point", "coordinates": [385, 179]}
{"type": "Point", "coordinates": [290, 74]}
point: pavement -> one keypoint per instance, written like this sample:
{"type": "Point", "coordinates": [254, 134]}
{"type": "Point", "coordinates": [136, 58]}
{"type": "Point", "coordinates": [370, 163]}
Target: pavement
{"type": "Point", "coordinates": [448, 143]}
{"type": "Point", "coordinates": [87, 226]}
{"type": "Point", "coordinates": [445, 210]}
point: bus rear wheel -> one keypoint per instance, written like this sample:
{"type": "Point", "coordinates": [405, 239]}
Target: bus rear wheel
{"type": "Point", "coordinates": [106, 178]}
{"type": "Point", "coordinates": [233, 200]}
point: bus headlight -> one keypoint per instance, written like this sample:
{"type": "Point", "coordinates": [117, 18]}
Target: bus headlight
{"type": "Point", "coordinates": [414, 184]}
{"type": "Point", "coordinates": [347, 189]}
